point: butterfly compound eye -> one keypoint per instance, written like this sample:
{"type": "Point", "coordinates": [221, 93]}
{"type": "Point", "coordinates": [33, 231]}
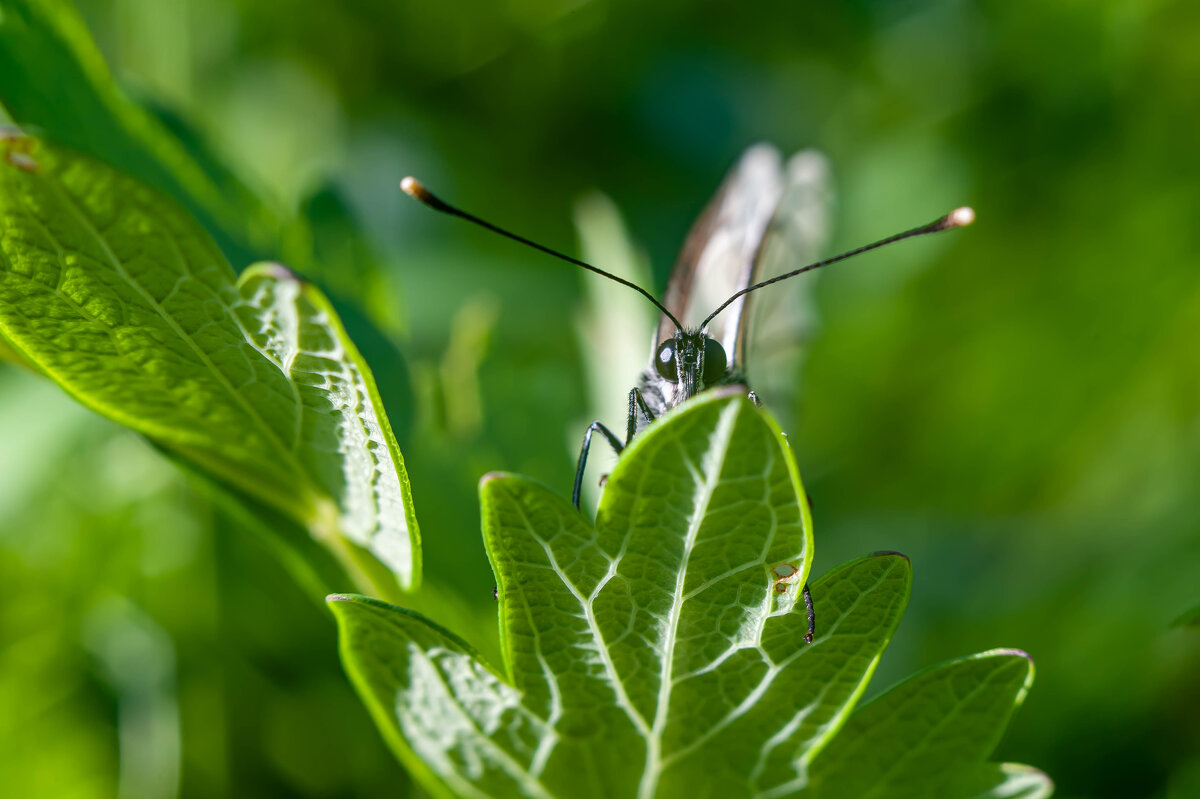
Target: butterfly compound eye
{"type": "Point", "coordinates": [714, 360]}
{"type": "Point", "coordinates": [664, 361]}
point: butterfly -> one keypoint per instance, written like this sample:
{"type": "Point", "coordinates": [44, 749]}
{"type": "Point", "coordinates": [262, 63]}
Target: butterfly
{"type": "Point", "coordinates": [701, 338]}
{"type": "Point", "coordinates": [767, 215]}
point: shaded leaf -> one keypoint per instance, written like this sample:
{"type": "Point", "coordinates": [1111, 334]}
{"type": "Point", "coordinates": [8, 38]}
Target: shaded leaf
{"type": "Point", "coordinates": [914, 740]}
{"type": "Point", "coordinates": [119, 297]}
{"type": "Point", "coordinates": [350, 266]}
{"type": "Point", "coordinates": [65, 80]}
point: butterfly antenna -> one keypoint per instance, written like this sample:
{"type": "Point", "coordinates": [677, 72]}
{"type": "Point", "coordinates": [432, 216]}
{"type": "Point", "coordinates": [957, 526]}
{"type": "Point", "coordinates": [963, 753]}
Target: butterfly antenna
{"type": "Point", "coordinates": [959, 217]}
{"type": "Point", "coordinates": [415, 189]}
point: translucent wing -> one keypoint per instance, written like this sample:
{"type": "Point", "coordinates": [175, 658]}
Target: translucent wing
{"type": "Point", "coordinates": [776, 321]}
{"type": "Point", "coordinates": [718, 255]}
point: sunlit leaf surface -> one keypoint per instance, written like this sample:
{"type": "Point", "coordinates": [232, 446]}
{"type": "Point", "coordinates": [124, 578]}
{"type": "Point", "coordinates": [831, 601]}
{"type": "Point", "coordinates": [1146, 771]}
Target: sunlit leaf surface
{"type": "Point", "coordinates": [123, 300]}
{"type": "Point", "coordinates": [658, 653]}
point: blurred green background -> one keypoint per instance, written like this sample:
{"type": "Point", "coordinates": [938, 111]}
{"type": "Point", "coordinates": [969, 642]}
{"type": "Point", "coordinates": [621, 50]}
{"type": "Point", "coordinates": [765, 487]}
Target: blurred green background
{"type": "Point", "coordinates": [1015, 406]}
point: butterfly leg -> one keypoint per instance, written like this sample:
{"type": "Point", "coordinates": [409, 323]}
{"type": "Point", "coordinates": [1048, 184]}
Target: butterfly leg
{"type": "Point", "coordinates": [754, 398]}
{"type": "Point", "coordinates": [583, 453]}
{"type": "Point", "coordinates": [636, 403]}
{"type": "Point", "coordinates": [812, 617]}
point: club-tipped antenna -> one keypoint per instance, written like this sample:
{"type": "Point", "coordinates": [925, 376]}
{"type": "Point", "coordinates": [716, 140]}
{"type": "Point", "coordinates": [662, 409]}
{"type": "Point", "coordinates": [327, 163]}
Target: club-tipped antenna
{"type": "Point", "coordinates": [959, 217]}
{"type": "Point", "coordinates": [415, 189]}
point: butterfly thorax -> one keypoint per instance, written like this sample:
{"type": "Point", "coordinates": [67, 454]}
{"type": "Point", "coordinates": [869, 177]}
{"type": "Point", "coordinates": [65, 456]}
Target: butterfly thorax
{"type": "Point", "coordinates": [683, 365]}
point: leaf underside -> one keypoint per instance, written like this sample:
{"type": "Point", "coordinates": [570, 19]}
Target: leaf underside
{"type": "Point", "coordinates": [117, 295]}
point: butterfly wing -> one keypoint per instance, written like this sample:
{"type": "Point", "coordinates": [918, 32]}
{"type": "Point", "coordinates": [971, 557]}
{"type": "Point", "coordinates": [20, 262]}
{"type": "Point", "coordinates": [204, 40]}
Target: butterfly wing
{"type": "Point", "coordinates": [718, 255]}
{"type": "Point", "coordinates": [776, 321]}
{"type": "Point", "coordinates": [767, 218]}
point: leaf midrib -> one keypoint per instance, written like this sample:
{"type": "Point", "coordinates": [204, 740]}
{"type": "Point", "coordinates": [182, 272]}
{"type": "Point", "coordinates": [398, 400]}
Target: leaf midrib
{"type": "Point", "coordinates": [507, 763]}
{"type": "Point", "coordinates": [718, 449]}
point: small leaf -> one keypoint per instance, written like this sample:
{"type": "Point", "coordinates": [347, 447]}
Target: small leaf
{"type": "Point", "coordinates": [914, 740]}
{"type": "Point", "coordinates": [344, 438]}
{"type": "Point", "coordinates": [661, 645]}
{"type": "Point", "coordinates": [118, 296]}
{"type": "Point", "coordinates": [454, 723]}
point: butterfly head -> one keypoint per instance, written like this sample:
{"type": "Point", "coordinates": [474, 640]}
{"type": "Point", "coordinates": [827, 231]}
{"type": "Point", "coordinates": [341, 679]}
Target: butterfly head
{"type": "Point", "coordinates": [692, 361]}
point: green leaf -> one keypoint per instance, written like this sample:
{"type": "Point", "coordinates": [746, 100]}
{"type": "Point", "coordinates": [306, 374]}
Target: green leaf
{"type": "Point", "coordinates": [350, 271]}
{"type": "Point", "coordinates": [7, 353]}
{"type": "Point", "coordinates": [63, 80]}
{"type": "Point", "coordinates": [917, 739]}
{"type": "Point", "coordinates": [122, 299]}
{"type": "Point", "coordinates": [451, 719]}
{"type": "Point", "coordinates": [660, 645]}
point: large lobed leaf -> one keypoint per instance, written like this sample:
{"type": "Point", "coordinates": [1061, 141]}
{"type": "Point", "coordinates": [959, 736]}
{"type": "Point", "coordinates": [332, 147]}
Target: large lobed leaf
{"type": "Point", "coordinates": [117, 295]}
{"type": "Point", "coordinates": [659, 652]}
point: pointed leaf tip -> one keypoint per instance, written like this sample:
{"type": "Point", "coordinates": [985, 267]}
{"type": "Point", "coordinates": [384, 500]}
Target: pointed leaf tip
{"type": "Point", "coordinates": [273, 270]}
{"type": "Point", "coordinates": [952, 714]}
{"type": "Point", "coordinates": [490, 476]}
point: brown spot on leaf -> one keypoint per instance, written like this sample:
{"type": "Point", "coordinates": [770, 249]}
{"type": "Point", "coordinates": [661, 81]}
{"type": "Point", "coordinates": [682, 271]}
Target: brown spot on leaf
{"type": "Point", "coordinates": [22, 161]}
{"type": "Point", "coordinates": [783, 571]}
{"type": "Point", "coordinates": [18, 148]}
